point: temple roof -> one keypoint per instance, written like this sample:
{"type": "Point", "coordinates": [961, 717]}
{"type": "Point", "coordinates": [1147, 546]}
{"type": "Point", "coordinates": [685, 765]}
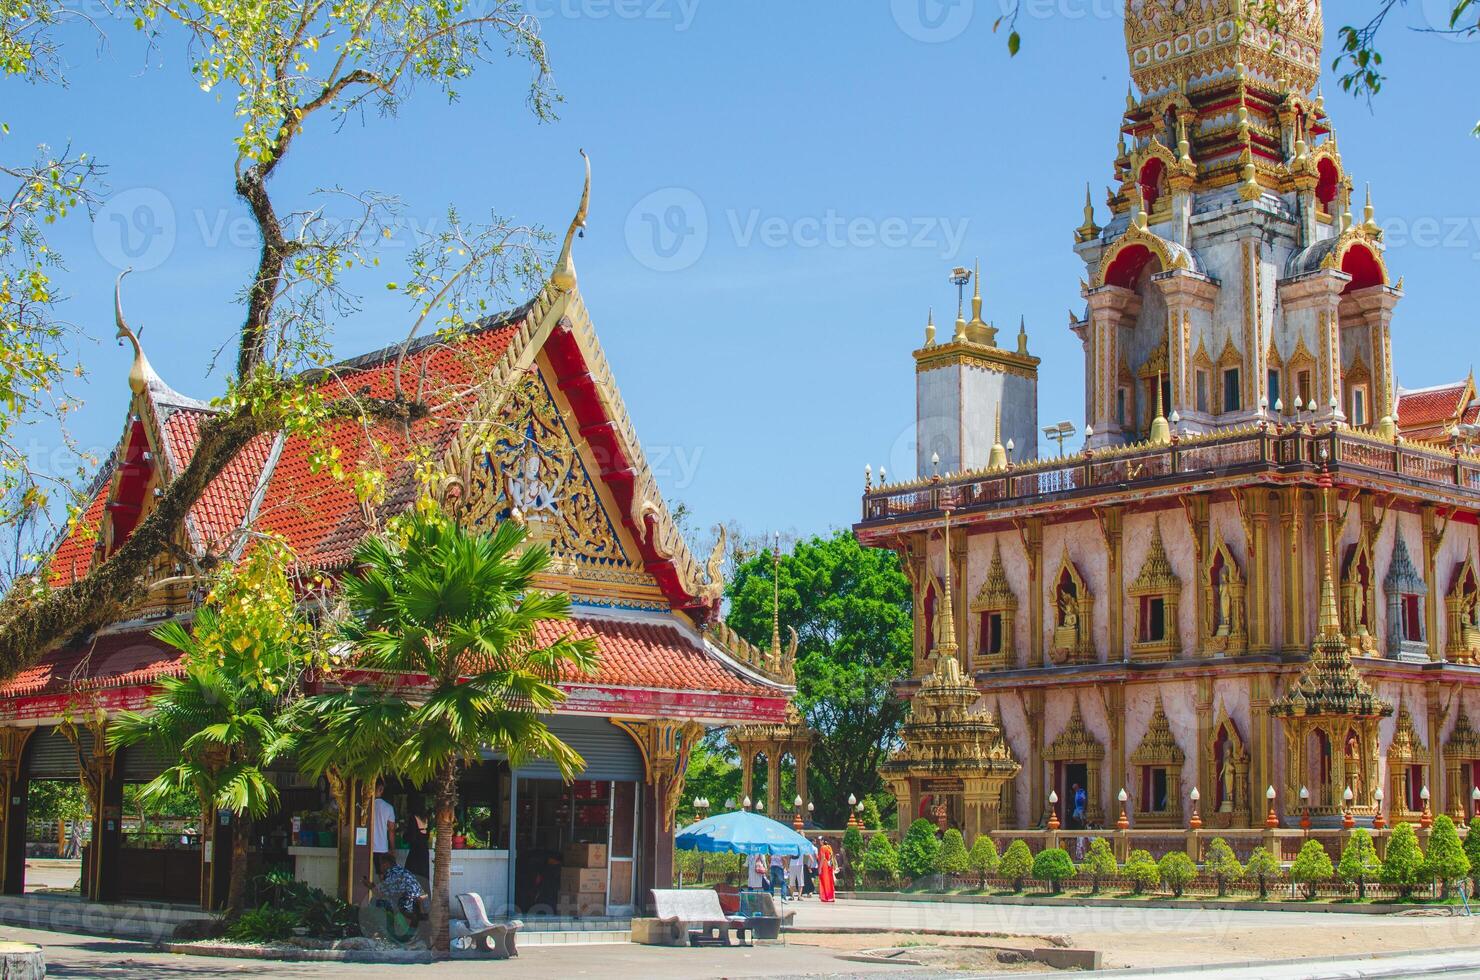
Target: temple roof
{"type": "Point", "coordinates": [1429, 413]}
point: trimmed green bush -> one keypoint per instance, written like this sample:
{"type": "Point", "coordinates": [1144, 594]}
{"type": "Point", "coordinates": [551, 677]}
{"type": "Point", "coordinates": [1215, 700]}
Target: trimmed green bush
{"type": "Point", "coordinates": [1177, 871]}
{"type": "Point", "coordinates": [952, 858]}
{"type": "Point", "coordinates": [853, 845]}
{"type": "Point", "coordinates": [1142, 871]}
{"type": "Point", "coordinates": [880, 860]}
{"type": "Point", "coordinates": [1263, 868]}
{"type": "Point", "coordinates": [1222, 864]}
{"type": "Point", "coordinates": [1016, 864]}
{"type": "Point", "coordinates": [872, 819]}
{"type": "Point", "coordinates": [1446, 862]}
{"type": "Point", "coordinates": [1054, 866]}
{"type": "Point", "coordinates": [983, 857]}
{"type": "Point", "coordinates": [1312, 866]}
{"type": "Point", "coordinates": [1099, 864]}
{"type": "Point", "coordinates": [1359, 863]}
{"type": "Point", "coordinates": [1472, 846]}
{"type": "Point", "coordinates": [918, 849]}
{"type": "Point", "coordinates": [1402, 865]}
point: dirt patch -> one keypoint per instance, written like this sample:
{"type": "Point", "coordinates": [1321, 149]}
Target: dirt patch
{"type": "Point", "coordinates": [961, 956]}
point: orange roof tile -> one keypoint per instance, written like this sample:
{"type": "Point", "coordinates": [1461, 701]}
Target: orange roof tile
{"type": "Point", "coordinates": [1431, 406]}
{"type": "Point", "coordinates": [656, 655]}
{"type": "Point", "coordinates": [111, 660]}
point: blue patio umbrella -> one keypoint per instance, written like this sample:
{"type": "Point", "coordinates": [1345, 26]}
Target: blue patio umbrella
{"type": "Point", "coordinates": [743, 832]}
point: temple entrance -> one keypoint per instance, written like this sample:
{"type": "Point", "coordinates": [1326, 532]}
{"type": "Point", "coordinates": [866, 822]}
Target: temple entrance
{"type": "Point", "coordinates": [554, 873]}
{"type": "Point", "coordinates": [1071, 780]}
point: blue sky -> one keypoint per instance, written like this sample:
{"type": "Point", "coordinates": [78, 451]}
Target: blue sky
{"type": "Point", "coordinates": [780, 191]}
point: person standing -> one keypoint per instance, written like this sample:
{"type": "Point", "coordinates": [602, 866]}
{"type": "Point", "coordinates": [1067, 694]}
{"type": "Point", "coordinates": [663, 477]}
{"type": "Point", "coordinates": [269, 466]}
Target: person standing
{"type": "Point", "coordinates": [382, 823]}
{"type": "Point", "coordinates": [827, 867]}
{"type": "Point", "coordinates": [418, 856]}
{"type": "Point", "coordinates": [778, 877]}
{"type": "Point", "coordinates": [794, 875]}
{"type": "Point", "coordinates": [759, 870]}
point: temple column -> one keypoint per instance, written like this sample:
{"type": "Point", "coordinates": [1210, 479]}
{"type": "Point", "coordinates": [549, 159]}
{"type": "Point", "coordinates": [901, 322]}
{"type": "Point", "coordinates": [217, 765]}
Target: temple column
{"type": "Point", "coordinates": [1203, 701]}
{"type": "Point", "coordinates": [13, 786]}
{"type": "Point", "coordinates": [1115, 714]}
{"type": "Point", "coordinates": [1111, 523]}
{"type": "Point", "coordinates": [1316, 299]}
{"type": "Point", "coordinates": [1292, 519]}
{"type": "Point", "coordinates": [1436, 748]}
{"type": "Point", "coordinates": [1433, 536]}
{"type": "Point", "coordinates": [1256, 530]}
{"type": "Point", "coordinates": [665, 745]}
{"type": "Point", "coordinates": [773, 782]}
{"type": "Point", "coordinates": [1261, 748]}
{"type": "Point", "coordinates": [1184, 293]}
{"type": "Point", "coordinates": [803, 756]}
{"type": "Point", "coordinates": [1037, 775]}
{"type": "Point", "coordinates": [1196, 509]}
{"type": "Point", "coordinates": [1032, 533]}
{"type": "Point", "coordinates": [103, 782]}
{"type": "Point", "coordinates": [747, 772]}
{"type": "Point", "coordinates": [1371, 309]}
{"type": "Point", "coordinates": [1110, 308]}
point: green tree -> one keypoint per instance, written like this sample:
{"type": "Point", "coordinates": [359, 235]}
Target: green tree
{"type": "Point", "coordinates": [1222, 864]}
{"type": "Point", "coordinates": [434, 600]}
{"type": "Point", "coordinates": [850, 607]}
{"type": "Point", "coordinates": [872, 818]}
{"type": "Point", "coordinates": [918, 849]}
{"type": "Point", "coordinates": [714, 775]}
{"type": "Point", "coordinates": [1311, 867]}
{"type": "Point", "coordinates": [1472, 846]}
{"type": "Point", "coordinates": [983, 857]}
{"type": "Point", "coordinates": [1054, 866]}
{"type": "Point", "coordinates": [881, 860]}
{"type": "Point", "coordinates": [225, 717]}
{"type": "Point", "coordinates": [1402, 862]}
{"type": "Point", "coordinates": [1263, 867]}
{"type": "Point", "coordinates": [1446, 861]}
{"type": "Point", "coordinates": [1099, 864]}
{"type": "Point", "coordinates": [283, 74]}
{"type": "Point", "coordinates": [1142, 871]}
{"type": "Point", "coordinates": [1016, 864]}
{"type": "Point", "coordinates": [1359, 863]}
{"type": "Point", "coordinates": [952, 858]}
{"type": "Point", "coordinates": [1177, 871]}
{"type": "Point", "coordinates": [853, 845]}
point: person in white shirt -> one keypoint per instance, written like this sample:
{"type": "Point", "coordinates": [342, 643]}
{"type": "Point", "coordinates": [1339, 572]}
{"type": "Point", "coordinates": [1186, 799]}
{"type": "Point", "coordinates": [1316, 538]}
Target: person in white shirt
{"type": "Point", "coordinates": [382, 822]}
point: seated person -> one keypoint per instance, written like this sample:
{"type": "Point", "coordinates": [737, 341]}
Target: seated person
{"type": "Point", "coordinates": [398, 895]}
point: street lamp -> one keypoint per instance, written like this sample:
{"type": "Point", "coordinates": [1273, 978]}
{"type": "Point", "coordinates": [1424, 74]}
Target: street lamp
{"type": "Point", "coordinates": [745, 803]}
{"type": "Point", "coordinates": [1377, 818]}
{"type": "Point", "coordinates": [1474, 801]}
{"type": "Point", "coordinates": [1124, 823]}
{"type": "Point", "coordinates": [1196, 820]}
{"type": "Point", "coordinates": [1053, 809]}
{"type": "Point", "coordinates": [1271, 821]}
{"type": "Point", "coordinates": [1304, 809]}
{"type": "Point", "coordinates": [1427, 819]}
{"type": "Point", "coordinates": [701, 806]}
{"type": "Point", "coordinates": [852, 816]}
{"type": "Point", "coordinates": [1347, 820]}
{"type": "Point", "coordinates": [796, 821]}
{"type": "Point", "coordinates": [1060, 433]}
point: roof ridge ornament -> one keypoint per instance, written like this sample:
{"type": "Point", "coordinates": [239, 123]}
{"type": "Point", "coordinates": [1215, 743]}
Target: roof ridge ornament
{"type": "Point", "coordinates": [140, 372]}
{"type": "Point", "coordinates": [563, 277]}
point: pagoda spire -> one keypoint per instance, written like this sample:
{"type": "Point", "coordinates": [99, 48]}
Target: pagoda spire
{"type": "Point", "coordinates": [1329, 623]}
{"type": "Point", "coordinates": [998, 458]}
{"type": "Point", "coordinates": [1161, 430]}
{"type": "Point", "coordinates": [776, 600]}
{"type": "Point", "coordinates": [976, 296]}
{"type": "Point", "coordinates": [930, 328]}
{"type": "Point", "coordinates": [946, 645]}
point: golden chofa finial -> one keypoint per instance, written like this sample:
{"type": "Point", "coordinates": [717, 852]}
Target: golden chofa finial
{"type": "Point", "coordinates": [564, 276]}
{"type": "Point", "coordinates": [1089, 230]}
{"type": "Point", "coordinates": [139, 373]}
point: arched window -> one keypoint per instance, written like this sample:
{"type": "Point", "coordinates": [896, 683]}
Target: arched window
{"type": "Point", "coordinates": [1328, 183]}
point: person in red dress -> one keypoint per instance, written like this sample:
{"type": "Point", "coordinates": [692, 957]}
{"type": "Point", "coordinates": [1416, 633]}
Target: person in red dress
{"type": "Point", "coordinates": [826, 866]}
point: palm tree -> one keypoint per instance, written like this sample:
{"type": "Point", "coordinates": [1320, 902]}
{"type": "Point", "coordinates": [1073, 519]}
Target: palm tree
{"type": "Point", "coordinates": [456, 611]}
{"type": "Point", "coordinates": [224, 717]}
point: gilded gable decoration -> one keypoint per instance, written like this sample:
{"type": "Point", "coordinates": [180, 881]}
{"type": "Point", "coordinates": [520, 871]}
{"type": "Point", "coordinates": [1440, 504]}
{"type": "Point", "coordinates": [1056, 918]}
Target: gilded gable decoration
{"type": "Point", "coordinates": [994, 610]}
{"type": "Point", "coordinates": [1154, 594]}
{"type": "Point", "coordinates": [532, 472]}
{"type": "Point", "coordinates": [1158, 763]}
{"type": "Point", "coordinates": [1073, 610]}
{"type": "Point", "coordinates": [1406, 593]}
{"type": "Point", "coordinates": [1227, 775]}
{"type": "Point", "coordinates": [1226, 626]}
{"type": "Point", "coordinates": [1461, 760]}
{"type": "Point", "coordinates": [1076, 746]}
{"type": "Point", "coordinates": [1407, 763]}
{"type": "Point", "coordinates": [1462, 606]}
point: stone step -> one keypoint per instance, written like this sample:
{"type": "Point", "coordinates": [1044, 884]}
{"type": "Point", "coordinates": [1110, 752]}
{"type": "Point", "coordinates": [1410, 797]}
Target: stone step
{"type": "Point", "coordinates": [575, 937]}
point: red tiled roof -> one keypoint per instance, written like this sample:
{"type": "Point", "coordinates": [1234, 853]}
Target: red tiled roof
{"type": "Point", "coordinates": [222, 508]}
{"type": "Point", "coordinates": [1431, 406]}
{"type": "Point", "coordinates": [73, 557]}
{"type": "Point", "coordinates": [112, 660]}
{"type": "Point", "coordinates": [651, 655]}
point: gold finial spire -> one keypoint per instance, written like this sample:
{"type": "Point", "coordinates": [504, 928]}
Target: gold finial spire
{"type": "Point", "coordinates": [946, 643]}
{"type": "Point", "coordinates": [1369, 214]}
{"type": "Point", "coordinates": [776, 599]}
{"type": "Point", "coordinates": [1161, 430]}
{"type": "Point", "coordinates": [1089, 229]}
{"type": "Point", "coordinates": [976, 296]}
{"type": "Point", "coordinates": [564, 276]}
{"type": "Point", "coordinates": [1330, 619]}
{"type": "Point", "coordinates": [1138, 202]}
{"type": "Point", "coordinates": [997, 459]}
{"type": "Point", "coordinates": [930, 328]}
{"type": "Point", "coordinates": [1022, 335]}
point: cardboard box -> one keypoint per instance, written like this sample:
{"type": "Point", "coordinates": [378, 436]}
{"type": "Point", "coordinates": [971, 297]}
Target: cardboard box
{"type": "Point", "coordinates": [585, 856]}
{"type": "Point", "coordinates": [574, 881]}
{"type": "Point", "coordinates": [585, 903]}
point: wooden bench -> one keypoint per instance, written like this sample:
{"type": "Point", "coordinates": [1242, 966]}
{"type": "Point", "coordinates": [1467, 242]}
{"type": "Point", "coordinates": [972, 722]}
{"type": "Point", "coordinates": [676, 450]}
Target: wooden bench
{"type": "Point", "coordinates": [693, 915]}
{"type": "Point", "coordinates": [490, 937]}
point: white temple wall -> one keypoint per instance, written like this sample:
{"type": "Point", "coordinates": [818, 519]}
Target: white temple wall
{"type": "Point", "coordinates": [1015, 731]}
{"type": "Point", "coordinates": [1086, 548]}
{"type": "Point", "coordinates": [979, 552]}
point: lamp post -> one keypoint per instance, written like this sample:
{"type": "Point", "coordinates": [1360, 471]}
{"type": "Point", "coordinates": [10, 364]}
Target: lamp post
{"type": "Point", "coordinates": [1474, 801]}
{"type": "Point", "coordinates": [1196, 821]}
{"type": "Point", "coordinates": [745, 803]}
{"type": "Point", "coordinates": [811, 813]}
{"type": "Point", "coordinates": [1347, 820]}
{"type": "Point", "coordinates": [701, 806]}
{"type": "Point", "coordinates": [858, 813]}
{"type": "Point", "coordinates": [1427, 819]}
{"type": "Point", "coordinates": [1053, 809]}
{"type": "Point", "coordinates": [1271, 821]}
{"type": "Point", "coordinates": [1305, 809]}
{"type": "Point", "coordinates": [1377, 818]}
{"type": "Point", "coordinates": [796, 821]}
{"type": "Point", "coordinates": [1124, 821]}
{"type": "Point", "coordinates": [852, 816]}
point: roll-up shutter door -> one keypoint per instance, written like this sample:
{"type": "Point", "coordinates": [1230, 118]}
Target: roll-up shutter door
{"type": "Point", "coordinates": [51, 755]}
{"type": "Point", "coordinates": [141, 763]}
{"type": "Point", "coordinates": [608, 751]}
